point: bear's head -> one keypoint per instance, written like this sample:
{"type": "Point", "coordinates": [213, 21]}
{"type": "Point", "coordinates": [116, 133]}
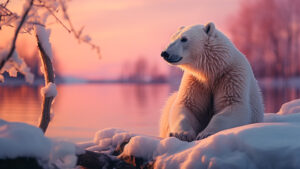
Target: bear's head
{"type": "Point", "coordinates": [202, 50]}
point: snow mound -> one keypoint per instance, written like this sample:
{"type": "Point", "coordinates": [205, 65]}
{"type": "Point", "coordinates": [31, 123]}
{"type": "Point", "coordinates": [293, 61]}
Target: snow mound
{"type": "Point", "coordinates": [17, 139]}
{"type": "Point", "coordinates": [23, 140]}
{"type": "Point", "coordinates": [272, 144]}
{"type": "Point", "coordinates": [290, 107]}
{"type": "Point", "coordinates": [262, 145]}
{"type": "Point", "coordinates": [107, 140]}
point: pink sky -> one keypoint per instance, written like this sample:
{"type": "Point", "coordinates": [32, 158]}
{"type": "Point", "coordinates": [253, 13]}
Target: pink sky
{"type": "Point", "coordinates": [128, 29]}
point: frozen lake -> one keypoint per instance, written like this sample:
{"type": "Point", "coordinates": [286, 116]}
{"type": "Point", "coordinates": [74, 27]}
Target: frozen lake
{"type": "Point", "coordinates": [82, 109]}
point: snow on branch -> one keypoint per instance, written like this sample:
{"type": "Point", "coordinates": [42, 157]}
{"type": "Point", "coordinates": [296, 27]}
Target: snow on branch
{"type": "Point", "coordinates": [13, 45]}
{"type": "Point", "coordinates": [61, 5]}
{"type": "Point", "coordinates": [43, 37]}
{"type": "Point", "coordinates": [35, 13]}
{"type": "Point", "coordinates": [15, 64]}
{"type": "Point", "coordinates": [34, 17]}
{"type": "Point", "coordinates": [49, 92]}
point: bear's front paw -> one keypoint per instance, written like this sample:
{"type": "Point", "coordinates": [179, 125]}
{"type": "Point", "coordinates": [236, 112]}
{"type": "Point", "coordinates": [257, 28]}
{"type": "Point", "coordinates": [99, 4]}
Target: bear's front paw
{"type": "Point", "coordinates": [203, 135]}
{"type": "Point", "coordinates": [184, 135]}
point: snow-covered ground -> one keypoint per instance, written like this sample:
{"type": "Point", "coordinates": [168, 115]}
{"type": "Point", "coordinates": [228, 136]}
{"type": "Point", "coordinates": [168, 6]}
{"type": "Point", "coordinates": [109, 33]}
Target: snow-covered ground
{"type": "Point", "coordinates": [23, 140]}
{"type": "Point", "coordinates": [273, 144]}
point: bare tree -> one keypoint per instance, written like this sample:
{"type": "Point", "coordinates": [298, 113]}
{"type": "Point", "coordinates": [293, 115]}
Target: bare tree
{"type": "Point", "coordinates": [267, 31]}
{"type": "Point", "coordinates": [34, 19]}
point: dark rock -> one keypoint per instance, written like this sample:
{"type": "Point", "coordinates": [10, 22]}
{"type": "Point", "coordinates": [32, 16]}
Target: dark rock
{"type": "Point", "coordinates": [20, 163]}
{"type": "Point", "coordinates": [93, 160]}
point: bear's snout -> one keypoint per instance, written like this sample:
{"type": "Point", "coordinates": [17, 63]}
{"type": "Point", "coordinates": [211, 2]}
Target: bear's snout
{"type": "Point", "coordinates": [164, 54]}
{"type": "Point", "coordinates": [170, 58]}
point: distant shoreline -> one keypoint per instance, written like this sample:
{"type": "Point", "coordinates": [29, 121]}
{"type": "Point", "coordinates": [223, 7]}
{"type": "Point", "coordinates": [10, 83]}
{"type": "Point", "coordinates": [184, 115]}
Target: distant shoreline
{"type": "Point", "coordinates": [40, 82]}
{"type": "Point", "coordinates": [274, 82]}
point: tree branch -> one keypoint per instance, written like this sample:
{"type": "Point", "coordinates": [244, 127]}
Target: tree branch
{"type": "Point", "coordinates": [49, 77]}
{"type": "Point", "coordinates": [13, 45]}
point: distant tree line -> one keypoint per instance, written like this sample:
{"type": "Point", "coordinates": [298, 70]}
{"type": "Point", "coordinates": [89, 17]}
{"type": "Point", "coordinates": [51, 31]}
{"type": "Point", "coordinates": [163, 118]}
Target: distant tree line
{"type": "Point", "coordinates": [268, 33]}
{"type": "Point", "coordinates": [141, 71]}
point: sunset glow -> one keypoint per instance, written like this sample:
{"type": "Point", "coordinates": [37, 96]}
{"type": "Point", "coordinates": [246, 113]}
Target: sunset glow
{"type": "Point", "coordinates": [125, 31]}
{"type": "Point", "coordinates": [162, 84]}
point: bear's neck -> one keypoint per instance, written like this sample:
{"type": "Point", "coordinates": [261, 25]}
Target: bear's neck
{"type": "Point", "coordinates": [212, 62]}
{"type": "Point", "coordinates": [200, 76]}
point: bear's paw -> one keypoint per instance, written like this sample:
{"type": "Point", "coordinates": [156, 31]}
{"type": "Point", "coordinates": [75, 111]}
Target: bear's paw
{"type": "Point", "coordinates": [184, 135]}
{"type": "Point", "coordinates": [203, 135]}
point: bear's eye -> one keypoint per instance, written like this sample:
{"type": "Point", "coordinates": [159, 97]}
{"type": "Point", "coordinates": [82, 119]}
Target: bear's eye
{"type": "Point", "coordinates": [183, 39]}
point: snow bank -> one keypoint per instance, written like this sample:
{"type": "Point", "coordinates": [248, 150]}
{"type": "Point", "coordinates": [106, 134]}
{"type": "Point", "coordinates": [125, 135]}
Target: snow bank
{"type": "Point", "coordinates": [273, 144]}
{"type": "Point", "coordinates": [49, 90]}
{"type": "Point", "coordinates": [23, 140]}
{"type": "Point", "coordinates": [17, 139]}
{"type": "Point", "coordinates": [290, 107]}
{"type": "Point", "coordinates": [263, 145]}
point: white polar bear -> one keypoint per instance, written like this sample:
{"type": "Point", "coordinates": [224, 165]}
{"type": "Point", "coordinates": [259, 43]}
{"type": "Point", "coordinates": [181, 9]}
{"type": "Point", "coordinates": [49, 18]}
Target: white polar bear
{"type": "Point", "coordinates": [218, 89]}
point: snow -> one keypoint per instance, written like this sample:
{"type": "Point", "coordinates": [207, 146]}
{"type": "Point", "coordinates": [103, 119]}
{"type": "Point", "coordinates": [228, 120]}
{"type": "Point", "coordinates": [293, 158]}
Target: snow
{"type": "Point", "coordinates": [16, 64]}
{"type": "Point", "coordinates": [43, 35]}
{"type": "Point", "coordinates": [63, 154]}
{"type": "Point", "coordinates": [17, 139]}
{"type": "Point", "coordinates": [272, 144]}
{"type": "Point", "coordinates": [290, 107]}
{"type": "Point", "coordinates": [23, 140]}
{"type": "Point", "coordinates": [107, 140]}
{"type": "Point", "coordinates": [49, 90]}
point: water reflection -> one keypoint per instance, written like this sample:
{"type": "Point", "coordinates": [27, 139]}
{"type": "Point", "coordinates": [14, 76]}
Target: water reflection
{"type": "Point", "coordinates": [20, 103]}
{"type": "Point", "coordinates": [275, 95]}
{"type": "Point", "coordinates": [82, 109]}
{"type": "Point", "coordinates": [91, 107]}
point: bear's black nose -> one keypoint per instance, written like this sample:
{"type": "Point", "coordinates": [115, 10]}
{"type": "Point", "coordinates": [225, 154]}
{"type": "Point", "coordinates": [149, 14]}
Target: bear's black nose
{"type": "Point", "coordinates": [164, 54]}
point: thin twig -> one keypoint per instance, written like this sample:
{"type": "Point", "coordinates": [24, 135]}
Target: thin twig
{"type": "Point", "coordinates": [13, 45]}
{"type": "Point", "coordinates": [42, 5]}
{"type": "Point", "coordinates": [7, 1]}
{"type": "Point", "coordinates": [58, 20]}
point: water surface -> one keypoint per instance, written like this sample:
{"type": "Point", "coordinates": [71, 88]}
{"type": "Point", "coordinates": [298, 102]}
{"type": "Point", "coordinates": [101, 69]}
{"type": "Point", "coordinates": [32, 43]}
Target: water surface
{"type": "Point", "coordinates": [82, 109]}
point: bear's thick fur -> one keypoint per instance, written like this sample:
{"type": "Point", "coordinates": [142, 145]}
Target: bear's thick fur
{"type": "Point", "coordinates": [218, 89]}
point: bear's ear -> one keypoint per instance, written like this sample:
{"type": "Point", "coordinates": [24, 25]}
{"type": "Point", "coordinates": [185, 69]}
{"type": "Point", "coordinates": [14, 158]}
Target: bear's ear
{"type": "Point", "coordinates": [181, 27]}
{"type": "Point", "coordinates": [209, 28]}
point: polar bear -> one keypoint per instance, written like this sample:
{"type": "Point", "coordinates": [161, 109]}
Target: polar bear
{"type": "Point", "coordinates": [218, 89]}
